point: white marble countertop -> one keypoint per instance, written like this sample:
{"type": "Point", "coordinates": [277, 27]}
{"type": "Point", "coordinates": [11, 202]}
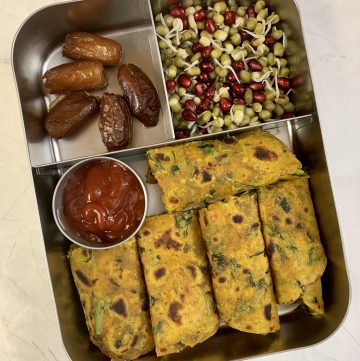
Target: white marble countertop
{"type": "Point", "coordinates": [28, 324]}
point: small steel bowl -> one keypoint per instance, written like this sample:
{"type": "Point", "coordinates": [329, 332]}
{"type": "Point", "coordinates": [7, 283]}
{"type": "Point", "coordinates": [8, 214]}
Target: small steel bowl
{"type": "Point", "coordinates": [57, 206]}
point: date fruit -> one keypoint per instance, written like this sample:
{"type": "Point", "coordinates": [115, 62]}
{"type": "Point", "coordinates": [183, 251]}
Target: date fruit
{"type": "Point", "coordinates": [115, 123]}
{"type": "Point", "coordinates": [87, 46]}
{"type": "Point", "coordinates": [70, 113]}
{"type": "Point", "coordinates": [75, 76]}
{"type": "Point", "coordinates": [140, 94]}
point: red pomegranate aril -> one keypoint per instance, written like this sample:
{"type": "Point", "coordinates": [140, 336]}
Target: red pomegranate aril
{"type": "Point", "coordinates": [225, 105]}
{"type": "Point", "coordinates": [258, 97]}
{"type": "Point", "coordinates": [204, 78]}
{"type": "Point", "coordinates": [180, 134]}
{"type": "Point", "coordinates": [269, 40]}
{"type": "Point", "coordinates": [231, 77]}
{"type": "Point", "coordinates": [238, 65]}
{"type": "Point", "coordinates": [203, 130]}
{"type": "Point", "coordinates": [283, 83]}
{"type": "Point", "coordinates": [207, 66]}
{"type": "Point", "coordinates": [184, 80]}
{"type": "Point", "coordinates": [190, 104]}
{"type": "Point", "coordinates": [177, 12]}
{"type": "Point", "coordinates": [188, 115]}
{"type": "Point", "coordinates": [199, 89]}
{"type": "Point", "coordinates": [250, 11]}
{"type": "Point", "coordinates": [204, 105]}
{"type": "Point", "coordinates": [200, 15]}
{"type": "Point", "coordinates": [170, 85]}
{"type": "Point", "coordinates": [238, 89]}
{"type": "Point", "coordinates": [185, 23]}
{"type": "Point", "coordinates": [239, 101]}
{"type": "Point", "coordinates": [210, 92]}
{"type": "Point", "coordinates": [210, 26]}
{"type": "Point", "coordinates": [256, 86]}
{"type": "Point", "coordinates": [206, 52]}
{"type": "Point", "coordinates": [297, 81]}
{"type": "Point", "coordinates": [229, 18]}
{"type": "Point", "coordinates": [254, 65]}
{"type": "Point", "coordinates": [244, 35]}
{"type": "Point", "coordinates": [288, 115]}
{"type": "Point", "coordinates": [197, 47]}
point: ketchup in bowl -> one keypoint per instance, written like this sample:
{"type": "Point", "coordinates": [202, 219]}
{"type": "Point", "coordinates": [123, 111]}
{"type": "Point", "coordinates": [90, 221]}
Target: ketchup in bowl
{"type": "Point", "coordinates": [103, 202]}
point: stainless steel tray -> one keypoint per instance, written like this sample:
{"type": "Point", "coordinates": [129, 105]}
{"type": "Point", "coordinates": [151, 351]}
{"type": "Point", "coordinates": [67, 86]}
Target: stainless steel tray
{"type": "Point", "coordinates": [37, 47]}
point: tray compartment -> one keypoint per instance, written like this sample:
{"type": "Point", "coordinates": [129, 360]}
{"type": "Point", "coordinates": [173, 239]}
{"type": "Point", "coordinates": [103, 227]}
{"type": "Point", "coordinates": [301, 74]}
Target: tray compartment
{"type": "Point", "coordinates": [302, 134]}
{"type": "Point", "coordinates": [34, 54]}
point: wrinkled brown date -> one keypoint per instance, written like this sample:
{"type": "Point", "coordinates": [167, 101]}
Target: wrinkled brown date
{"type": "Point", "coordinates": [86, 46]}
{"type": "Point", "coordinates": [140, 94]}
{"type": "Point", "coordinates": [70, 113]}
{"type": "Point", "coordinates": [115, 123]}
{"type": "Point", "coordinates": [75, 76]}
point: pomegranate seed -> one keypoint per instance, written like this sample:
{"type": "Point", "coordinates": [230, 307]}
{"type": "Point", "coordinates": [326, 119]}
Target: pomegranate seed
{"type": "Point", "coordinates": [203, 130]}
{"type": "Point", "coordinates": [188, 115]}
{"type": "Point", "coordinates": [250, 11]}
{"type": "Point", "coordinates": [170, 85]}
{"type": "Point", "coordinates": [180, 134]}
{"type": "Point", "coordinates": [244, 35]}
{"type": "Point", "coordinates": [204, 105]}
{"type": "Point", "coordinates": [269, 40]}
{"type": "Point", "coordinates": [238, 65]}
{"type": "Point", "coordinates": [200, 15]}
{"type": "Point", "coordinates": [184, 80]}
{"type": "Point", "coordinates": [229, 18]}
{"type": "Point", "coordinates": [199, 89]}
{"type": "Point", "coordinates": [283, 83]}
{"type": "Point", "coordinates": [197, 47]}
{"type": "Point", "coordinates": [297, 81]}
{"type": "Point", "coordinates": [206, 52]}
{"type": "Point", "coordinates": [210, 26]}
{"type": "Point", "coordinates": [204, 78]}
{"type": "Point", "coordinates": [190, 104]}
{"type": "Point", "coordinates": [231, 78]}
{"type": "Point", "coordinates": [239, 101]}
{"type": "Point", "coordinates": [238, 89]}
{"type": "Point", "coordinates": [288, 115]}
{"type": "Point", "coordinates": [207, 66]}
{"type": "Point", "coordinates": [177, 12]}
{"type": "Point", "coordinates": [225, 105]}
{"type": "Point", "coordinates": [258, 97]}
{"type": "Point", "coordinates": [256, 86]}
{"type": "Point", "coordinates": [254, 65]}
{"type": "Point", "coordinates": [210, 92]}
{"type": "Point", "coordinates": [185, 23]}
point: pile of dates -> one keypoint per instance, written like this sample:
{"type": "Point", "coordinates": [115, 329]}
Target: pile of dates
{"type": "Point", "coordinates": [91, 53]}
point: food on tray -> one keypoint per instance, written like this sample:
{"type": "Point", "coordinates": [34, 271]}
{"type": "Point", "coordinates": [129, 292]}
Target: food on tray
{"type": "Point", "coordinates": [70, 113]}
{"type": "Point", "coordinates": [103, 201]}
{"type": "Point", "coordinates": [140, 94]}
{"type": "Point", "coordinates": [191, 173]}
{"type": "Point", "coordinates": [239, 267]}
{"type": "Point", "coordinates": [225, 66]}
{"type": "Point", "coordinates": [115, 122]}
{"type": "Point", "coordinates": [77, 75]}
{"type": "Point", "coordinates": [176, 273]}
{"type": "Point", "coordinates": [313, 299]}
{"type": "Point", "coordinates": [87, 46]}
{"type": "Point", "coordinates": [296, 255]}
{"type": "Point", "coordinates": [114, 299]}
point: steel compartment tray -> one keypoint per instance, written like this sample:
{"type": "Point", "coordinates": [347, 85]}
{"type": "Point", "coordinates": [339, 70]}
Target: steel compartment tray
{"type": "Point", "coordinates": [37, 47]}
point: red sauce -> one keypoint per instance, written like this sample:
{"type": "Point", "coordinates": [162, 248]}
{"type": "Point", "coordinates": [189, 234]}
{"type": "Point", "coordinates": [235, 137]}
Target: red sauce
{"type": "Point", "coordinates": [103, 202]}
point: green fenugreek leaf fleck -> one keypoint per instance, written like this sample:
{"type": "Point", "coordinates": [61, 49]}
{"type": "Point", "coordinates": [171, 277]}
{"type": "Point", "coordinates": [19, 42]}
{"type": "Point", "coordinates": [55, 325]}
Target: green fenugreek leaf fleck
{"type": "Point", "coordinates": [175, 169]}
{"type": "Point", "coordinates": [100, 308]}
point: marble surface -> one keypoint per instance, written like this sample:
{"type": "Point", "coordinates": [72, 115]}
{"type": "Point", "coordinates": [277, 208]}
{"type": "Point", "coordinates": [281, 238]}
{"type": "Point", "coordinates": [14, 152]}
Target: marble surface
{"type": "Point", "coordinates": [28, 325]}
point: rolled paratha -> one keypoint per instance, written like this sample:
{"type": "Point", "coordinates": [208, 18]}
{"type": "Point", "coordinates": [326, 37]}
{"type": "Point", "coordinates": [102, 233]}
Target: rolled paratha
{"type": "Point", "coordinates": [114, 299]}
{"type": "Point", "coordinates": [239, 267]}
